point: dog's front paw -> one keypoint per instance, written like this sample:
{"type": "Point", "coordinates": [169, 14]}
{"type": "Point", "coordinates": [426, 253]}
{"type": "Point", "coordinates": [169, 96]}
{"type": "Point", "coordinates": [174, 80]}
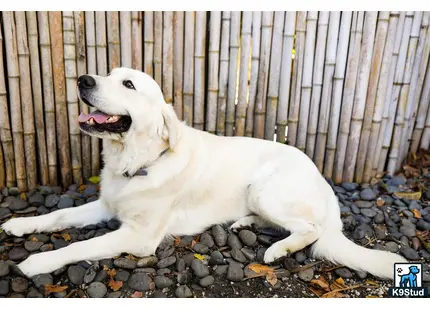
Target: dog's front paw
{"type": "Point", "coordinates": [39, 264]}
{"type": "Point", "coordinates": [274, 252]}
{"type": "Point", "coordinates": [17, 227]}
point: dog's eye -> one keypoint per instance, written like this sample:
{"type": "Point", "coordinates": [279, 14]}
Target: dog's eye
{"type": "Point", "coordinates": [128, 84]}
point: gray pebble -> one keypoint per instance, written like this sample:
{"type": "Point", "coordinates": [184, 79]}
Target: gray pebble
{"type": "Point", "coordinates": [260, 254]}
{"type": "Point", "coordinates": [162, 282]}
{"type": "Point", "coordinates": [361, 274]}
{"type": "Point", "coordinates": [407, 231]}
{"type": "Point", "coordinates": [4, 213]}
{"type": "Point", "coordinates": [368, 212]}
{"type": "Point", "coordinates": [367, 194]}
{"type": "Point", "coordinates": [158, 294]}
{"type": "Point", "coordinates": [409, 253]}
{"type": "Point", "coordinates": [60, 243]}
{"type": "Point", "coordinates": [423, 225]}
{"type": "Point", "coordinates": [391, 246]}
{"type": "Point", "coordinates": [381, 232]}
{"type": "Point", "coordinates": [36, 200]}
{"type": "Point", "coordinates": [112, 224]}
{"type": "Point", "coordinates": [4, 269]}
{"type": "Point", "coordinates": [52, 200]}
{"type": "Point", "coordinates": [166, 262]}
{"type": "Point", "coordinates": [32, 246]}
{"type": "Point", "coordinates": [300, 257]}
{"type": "Point", "coordinates": [42, 210]}
{"type": "Point", "coordinates": [247, 237]}
{"type": "Point", "coordinates": [265, 239]}
{"type": "Point", "coordinates": [60, 271]}
{"type": "Point", "coordinates": [163, 271]}
{"type": "Point", "coordinates": [97, 290]}
{"type": "Point", "coordinates": [220, 235]}
{"type": "Point", "coordinates": [39, 237]}
{"type": "Point", "coordinates": [76, 274]}
{"type": "Point", "coordinates": [42, 279]}
{"type": "Point", "coordinates": [207, 240]}
{"type": "Point", "coordinates": [221, 269]}
{"type": "Point", "coordinates": [18, 204]}
{"type": "Point", "coordinates": [17, 254]}
{"type": "Point", "coordinates": [19, 285]}
{"type": "Point", "coordinates": [34, 293]}
{"type": "Point", "coordinates": [350, 187]}
{"type": "Point", "coordinates": [180, 265]}
{"type": "Point", "coordinates": [363, 204]}
{"type": "Point", "coordinates": [168, 251]}
{"type": "Point", "coordinates": [183, 291]}
{"type": "Point", "coordinates": [27, 210]}
{"type": "Point", "coordinates": [14, 191]}
{"type": "Point", "coordinates": [235, 272]}
{"type": "Point", "coordinates": [117, 294]}
{"type": "Point", "coordinates": [65, 202]}
{"type": "Point", "coordinates": [145, 270]}
{"type": "Point", "coordinates": [125, 263]}
{"type": "Point", "coordinates": [148, 261]}
{"type": "Point", "coordinates": [207, 281]}
{"type": "Point", "coordinates": [216, 258]}
{"type": "Point", "coordinates": [306, 275]}
{"type": "Point", "coordinates": [201, 248]}
{"type": "Point", "coordinates": [199, 269]}
{"type": "Point", "coordinates": [343, 272]}
{"type": "Point", "coordinates": [238, 255]}
{"type": "Point", "coordinates": [90, 190]}
{"type": "Point", "coordinates": [122, 275]}
{"type": "Point", "coordinates": [184, 277]}
{"type": "Point", "coordinates": [140, 282]}
{"type": "Point", "coordinates": [188, 258]}
{"type": "Point", "coordinates": [379, 218]}
{"type": "Point", "coordinates": [249, 254]}
{"type": "Point", "coordinates": [290, 264]}
{"type": "Point", "coordinates": [101, 276]}
{"type": "Point", "coordinates": [4, 287]}
{"type": "Point", "coordinates": [46, 190]}
{"type": "Point", "coordinates": [234, 242]}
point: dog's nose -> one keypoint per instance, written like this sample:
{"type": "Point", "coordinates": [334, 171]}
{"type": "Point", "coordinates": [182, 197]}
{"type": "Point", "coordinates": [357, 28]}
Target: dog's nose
{"type": "Point", "coordinates": [86, 81]}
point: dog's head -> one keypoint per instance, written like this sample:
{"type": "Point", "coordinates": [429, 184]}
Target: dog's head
{"type": "Point", "coordinates": [414, 269]}
{"type": "Point", "coordinates": [126, 102]}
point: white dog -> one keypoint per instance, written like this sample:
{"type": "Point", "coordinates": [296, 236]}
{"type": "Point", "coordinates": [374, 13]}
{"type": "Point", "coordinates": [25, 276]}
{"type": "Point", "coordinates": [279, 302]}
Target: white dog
{"type": "Point", "coordinates": [162, 178]}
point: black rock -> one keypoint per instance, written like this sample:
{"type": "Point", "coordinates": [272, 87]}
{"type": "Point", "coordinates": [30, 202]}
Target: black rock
{"type": "Point", "coordinates": [379, 218]}
{"type": "Point", "coordinates": [249, 254]}
{"type": "Point", "coordinates": [361, 231]}
{"type": "Point", "coordinates": [52, 200]}
{"type": "Point", "coordinates": [114, 294]}
{"type": "Point", "coordinates": [122, 275]}
{"type": "Point", "coordinates": [113, 224]}
{"type": "Point", "coordinates": [140, 282]}
{"type": "Point", "coordinates": [423, 225]}
{"type": "Point", "coordinates": [343, 272]}
{"type": "Point", "coordinates": [34, 293]}
{"type": "Point", "coordinates": [265, 239]}
{"type": "Point", "coordinates": [300, 257]}
{"type": "Point", "coordinates": [91, 273]}
{"type": "Point", "coordinates": [260, 254]}
{"type": "Point", "coordinates": [290, 264]}
{"type": "Point", "coordinates": [409, 253]}
{"type": "Point", "coordinates": [125, 263]}
{"type": "Point", "coordinates": [216, 258]}
{"type": "Point", "coordinates": [60, 271]}
{"type": "Point", "coordinates": [27, 210]}
{"type": "Point", "coordinates": [90, 190]}
{"type": "Point", "coordinates": [65, 202]}
{"type": "Point", "coordinates": [163, 271]}
{"type": "Point", "coordinates": [188, 258]}
{"type": "Point", "coordinates": [14, 191]}
{"type": "Point", "coordinates": [101, 276]}
{"type": "Point", "coordinates": [18, 204]}
{"type": "Point", "coordinates": [97, 290]}
{"type": "Point", "coordinates": [46, 190]}
{"type": "Point", "coordinates": [18, 254]}
{"type": "Point", "coordinates": [4, 287]}
{"type": "Point", "coordinates": [367, 194]}
{"type": "Point", "coordinates": [36, 200]}
{"type": "Point", "coordinates": [166, 262]}
{"type": "Point", "coordinates": [148, 261]}
{"type": "Point", "coordinates": [207, 281]}
{"type": "Point", "coordinates": [368, 212]}
{"type": "Point", "coordinates": [4, 269]}
{"type": "Point", "coordinates": [247, 237]}
{"type": "Point", "coordinates": [145, 270]}
{"type": "Point", "coordinates": [221, 269]}
{"type": "Point", "coordinates": [32, 246]}
{"type": "Point", "coordinates": [350, 187]}
{"type": "Point", "coordinates": [4, 213]}
{"type": "Point", "coordinates": [397, 180]}
{"type": "Point", "coordinates": [408, 231]}
{"type": "Point", "coordinates": [201, 248]}
{"type": "Point", "coordinates": [60, 243]}
{"type": "Point", "coordinates": [183, 291]}
{"type": "Point", "coordinates": [19, 285]}
{"type": "Point", "coordinates": [158, 294]}
{"type": "Point", "coordinates": [364, 204]}
{"type": "Point", "coordinates": [162, 282]}
{"type": "Point", "coordinates": [238, 255]}
{"type": "Point", "coordinates": [180, 265]}
{"type": "Point", "coordinates": [235, 272]}
{"type": "Point", "coordinates": [207, 240]}
{"type": "Point", "coordinates": [220, 235]}
{"type": "Point", "coordinates": [42, 279]}
{"type": "Point", "coordinates": [42, 210]}
{"type": "Point", "coordinates": [76, 274]}
{"type": "Point", "coordinates": [184, 277]}
{"type": "Point", "coordinates": [199, 269]}
{"type": "Point", "coordinates": [381, 232]}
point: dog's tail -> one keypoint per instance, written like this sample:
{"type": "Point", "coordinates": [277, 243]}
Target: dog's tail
{"type": "Point", "coordinates": [335, 247]}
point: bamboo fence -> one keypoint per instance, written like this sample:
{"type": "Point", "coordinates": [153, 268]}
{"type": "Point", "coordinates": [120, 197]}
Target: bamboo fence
{"type": "Point", "coordinates": [349, 89]}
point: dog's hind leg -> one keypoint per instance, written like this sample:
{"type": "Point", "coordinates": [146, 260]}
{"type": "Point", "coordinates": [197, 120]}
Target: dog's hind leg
{"type": "Point", "coordinates": [90, 213]}
{"type": "Point", "coordinates": [249, 220]}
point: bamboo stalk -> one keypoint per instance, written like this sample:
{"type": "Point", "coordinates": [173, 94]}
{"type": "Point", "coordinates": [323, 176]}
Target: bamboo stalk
{"type": "Point", "coordinates": [392, 135]}
{"type": "Point", "coordinates": [168, 56]}
{"type": "Point", "coordinates": [199, 67]}
{"type": "Point", "coordinates": [330, 62]}
{"type": "Point", "coordinates": [81, 67]}
{"type": "Point", "coordinates": [5, 132]}
{"type": "Point", "coordinates": [381, 151]}
{"type": "Point", "coordinates": [348, 94]}
{"type": "Point", "coordinates": [148, 31]}
{"type": "Point", "coordinates": [2, 169]}
{"type": "Point", "coordinates": [158, 46]}
{"type": "Point", "coordinates": [232, 75]}
{"type": "Point", "coordinates": [377, 93]}
{"type": "Point", "coordinates": [317, 83]}
{"type": "Point", "coordinates": [188, 95]}
{"type": "Point", "coordinates": [223, 73]}
{"type": "Point", "coordinates": [296, 79]}
{"type": "Point", "coordinates": [136, 40]}
{"type": "Point", "coordinates": [213, 67]}
{"type": "Point", "coordinates": [178, 63]}
{"type": "Point", "coordinates": [14, 98]}
{"type": "Point", "coordinates": [274, 76]}
{"type": "Point", "coordinates": [114, 41]}
{"type": "Point", "coordinates": [125, 35]}
{"type": "Point", "coordinates": [72, 98]}
{"type": "Point", "coordinates": [425, 97]}
{"type": "Point", "coordinates": [48, 94]}
{"type": "Point", "coordinates": [284, 86]}
{"type": "Point", "coordinates": [245, 54]}
{"type": "Point", "coordinates": [263, 74]}
{"type": "Point", "coordinates": [362, 86]}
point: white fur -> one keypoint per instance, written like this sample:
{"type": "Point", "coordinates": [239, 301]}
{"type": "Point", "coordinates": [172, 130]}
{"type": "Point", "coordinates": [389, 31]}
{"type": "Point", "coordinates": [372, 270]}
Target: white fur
{"type": "Point", "coordinates": [203, 180]}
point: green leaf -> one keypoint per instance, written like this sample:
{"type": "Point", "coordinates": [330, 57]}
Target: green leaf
{"type": "Point", "coordinates": [94, 179]}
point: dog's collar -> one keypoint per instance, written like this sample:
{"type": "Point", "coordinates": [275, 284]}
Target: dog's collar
{"type": "Point", "coordinates": [142, 170]}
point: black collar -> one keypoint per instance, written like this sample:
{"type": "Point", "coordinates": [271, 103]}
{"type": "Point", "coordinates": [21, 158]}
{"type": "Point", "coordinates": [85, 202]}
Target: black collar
{"type": "Point", "coordinates": [142, 170]}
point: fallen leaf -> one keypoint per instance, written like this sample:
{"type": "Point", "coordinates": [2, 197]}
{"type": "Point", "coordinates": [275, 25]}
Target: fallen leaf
{"type": "Point", "coordinates": [333, 294]}
{"type": "Point", "coordinates": [372, 283]}
{"type": "Point", "coordinates": [112, 273]}
{"type": "Point", "coordinates": [321, 282]}
{"type": "Point", "coordinates": [195, 240]}
{"type": "Point", "coordinates": [94, 179]}
{"type": "Point", "coordinates": [408, 195]}
{"type": "Point", "coordinates": [177, 241]}
{"type": "Point", "coordinates": [271, 278]}
{"type": "Point", "coordinates": [82, 188]}
{"type": "Point", "coordinates": [129, 256]}
{"type": "Point", "coordinates": [340, 281]}
{"type": "Point", "coordinates": [258, 268]}
{"type": "Point", "coordinates": [137, 295]}
{"type": "Point", "coordinates": [23, 196]}
{"type": "Point", "coordinates": [115, 285]}
{"type": "Point", "coordinates": [198, 256]}
{"type": "Point", "coordinates": [105, 267]}
{"type": "Point", "coordinates": [54, 289]}
{"type": "Point", "coordinates": [417, 213]}
{"type": "Point", "coordinates": [66, 236]}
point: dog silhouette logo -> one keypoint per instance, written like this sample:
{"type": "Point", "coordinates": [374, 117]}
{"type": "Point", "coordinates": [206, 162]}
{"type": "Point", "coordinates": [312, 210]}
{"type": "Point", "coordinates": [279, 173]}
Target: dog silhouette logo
{"type": "Point", "coordinates": [408, 281]}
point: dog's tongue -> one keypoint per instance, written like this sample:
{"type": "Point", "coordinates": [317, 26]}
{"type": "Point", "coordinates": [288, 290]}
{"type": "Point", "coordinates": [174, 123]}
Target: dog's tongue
{"type": "Point", "coordinates": [98, 116]}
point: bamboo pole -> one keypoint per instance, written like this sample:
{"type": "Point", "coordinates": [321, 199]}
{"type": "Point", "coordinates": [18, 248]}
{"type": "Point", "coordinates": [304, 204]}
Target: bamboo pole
{"type": "Point", "coordinates": [148, 31]}
{"type": "Point", "coordinates": [199, 66]}
{"type": "Point", "coordinates": [188, 95]}
{"type": "Point", "coordinates": [102, 66]}
{"type": "Point", "coordinates": [48, 94]}
{"type": "Point", "coordinates": [213, 67]}
{"type": "Point", "coordinates": [284, 86]}
{"type": "Point", "coordinates": [223, 73]}
{"type": "Point", "coordinates": [26, 99]}
{"type": "Point", "coordinates": [274, 76]}
{"type": "Point", "coordinates": [14, 98]}
{"type": "Point", "coordinates": [391, 139]}
{"type": "Point", "coordinates": [296, 79]}
{"type": "Point", "coordinates": [232, 75]}
{"type": "Point", "coordinates": [178, 63]}
{"type": "Point", "coordinates": [330, 62]}
{"type": "Point", "coordinates": [125, 35]}
{"type": "Point", "coordinates": [168, 56]}
{"type": "Point", "coordinates": [72, 98]}
{"type": "Point", "coordinates": [348, 94]}
{"type": "Point", "coordinates": [362, 86]}
{"type": "Point", "coordinates": [394, 159]}
{"type": "Point", "coordinates": [136, 40]}
{"type": "Point", "coordinates": [2, 169]}
{"type": "Point", "coordinates": [5, 132]}
{"type": "Point", "coordinates": [263, 74]}
{"type": "Point", "coordinates": [317, 83]}
{"type": "Point", "coordinates": [425, 98]}
{"type": "Point", "coordinates": [158, 46]}
{"type": "Point", "coordinates": [245, 54]}
{"type": "Point", "coordinates": [114, 41]}
{"type": "Point", "coordinates": [81, 67]}
{"type": "Point", "coordinates": [381, 152]}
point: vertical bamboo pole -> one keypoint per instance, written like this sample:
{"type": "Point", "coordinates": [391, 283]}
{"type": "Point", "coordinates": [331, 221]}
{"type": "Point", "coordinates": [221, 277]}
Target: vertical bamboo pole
{"type": "Point", "coordinates": [263, 74]}
{"type": "Point", "coordinates": [114, 41]}
{"type": "Point", "coordinates": [338, 78]}
{"type": "Point", "coordinates": [178, 63]}
{"type": "Point", "coordinates": [125, 35]}
{"type": "Point", "coordinates": [5, 132]}
{"type": "Point", "coordinates": [381, 151]}
{"type": "Point", "coordinates": [360, 95]}
{"type": "Point", "coordinates": [168, 56]}
{"type": "Point", "coordinates": [188, 94]}
{"type": "Point", "coordinates": [2, 169]}
{"type": "Point", "coordinates": [148, 31]}
{"type": "Point", "coordinates": [26, 99]}
{"type": "Point", "coordinates": [223, 73]}
{"type": "Point", "coordinates": [274, 76]}
{"type": "Point", "coordinates": [232, 75]}
{"type": "Point", "coordinates": [330, 62]}
{"type": "Point", "coordinates": [284, 86]}
{"type": "Point", "coordinates": [158, 46]}
{"type": "Point", "coordinates": [72, 98]}
{"type": "Point", "coordinates": [296, 79]}
{"type": "Point", "coordinates": [317, 83]}
{"type": "Point", "coordinates": [81, 67]}
{"type": "Point", "coordinates": [136, 40]}
{"type": "Point", "coordinates": [425, 97]}
{"type": "Point", "coordinates": [101, 45]}
{"type": "Point", "coordinates": [213, 66]}
{"type": "Point", "coordinates": [199, 66]}
{"type": "Point", "coordinates": [48, 94]}
{"type": "Point", "coordinates": [245, 54]}
{"type": "Point", "coordinates": [348, 94]}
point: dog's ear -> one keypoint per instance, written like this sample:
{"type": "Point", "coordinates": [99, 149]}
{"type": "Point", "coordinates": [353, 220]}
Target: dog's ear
{"type": "Point", "coordinates": [171, 130]}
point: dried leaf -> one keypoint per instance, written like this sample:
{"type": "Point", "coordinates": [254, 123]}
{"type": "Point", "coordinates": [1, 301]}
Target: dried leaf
{"type": "Point", "coordinates": [112, 273]}
{"type": "Point", "coordinates": [321, 282]}
{"type": "Point", "coordinates": [23, 196]}
{"type": "Point", "coordinates": [115, 285]}
{"type": "Point", "coordinates": [54, 289]}
{"type": "Point", "coordinates": [408, 195]}
{"type": "Point", "coordinates": [372, 283]}
{"type": "Point", "coordinates": [105, 267]}
{"type": "Point", "coordinates": [271, 278]}
{"type": "Point", "coordinates": [82, 188]}
{"type": "Point", "coordinates": [340, 281]}
{"type": "Point", "coordinates": [129, 256]}
{"type": "Point", "coordinates": [193, 243]}
{"type": "Point", "coordinates": [258, 268]}
{"type": "Point", "coordinates": [198, 256]}
{"type": "Point", "coordinates": [137, 294]}
{"type": "Point", "coordinates": [417, 213]}
{"type": "Point", "coordinates": [94, 179]}
{"type": "Point", "coordinates": [66, 236]}
{"type": "Point", "coordinates": [333, 294]}
{"type": "Point", "coordinates": [177, 241]}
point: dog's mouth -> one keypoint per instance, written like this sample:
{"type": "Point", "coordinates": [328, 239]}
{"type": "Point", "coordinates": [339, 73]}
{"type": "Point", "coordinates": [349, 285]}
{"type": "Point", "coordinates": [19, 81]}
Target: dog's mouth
{"type": "Point", "coordinates": [100, 121]}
